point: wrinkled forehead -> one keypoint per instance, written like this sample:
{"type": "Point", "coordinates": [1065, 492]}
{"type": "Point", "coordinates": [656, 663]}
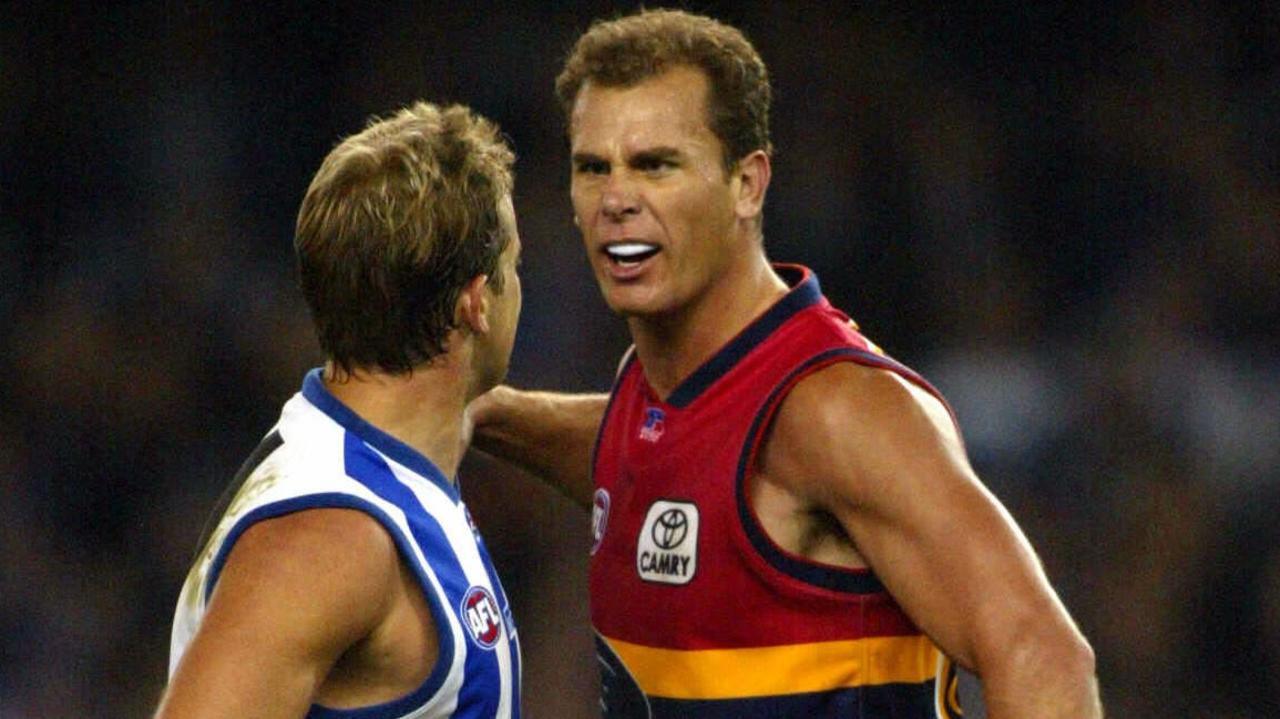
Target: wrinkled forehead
{"type": "Point", "coordinates": [665, 109]}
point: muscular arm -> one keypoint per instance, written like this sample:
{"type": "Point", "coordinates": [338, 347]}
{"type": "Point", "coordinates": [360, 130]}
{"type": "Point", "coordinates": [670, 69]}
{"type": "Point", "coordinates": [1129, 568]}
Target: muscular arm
{"type": "Point", "coordinates": [548, 434]}
{"type": "Point", "coordinates": [882, 456]}
{"type": "Point", "coordinates": [294, 594]}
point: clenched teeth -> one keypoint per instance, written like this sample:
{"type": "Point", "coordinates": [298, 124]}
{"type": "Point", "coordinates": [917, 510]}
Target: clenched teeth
{"type": "Point", "coordinates": [631, 252]}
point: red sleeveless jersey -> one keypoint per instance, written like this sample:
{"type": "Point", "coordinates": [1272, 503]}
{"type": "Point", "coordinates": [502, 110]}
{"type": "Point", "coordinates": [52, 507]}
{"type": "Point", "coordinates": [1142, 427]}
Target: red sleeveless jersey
{"type": "Point", "coordinates": [697, 612]}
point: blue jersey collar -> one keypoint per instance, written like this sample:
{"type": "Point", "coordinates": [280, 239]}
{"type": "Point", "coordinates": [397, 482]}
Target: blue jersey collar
{"type": "Point", "coordinates": [314, 390]}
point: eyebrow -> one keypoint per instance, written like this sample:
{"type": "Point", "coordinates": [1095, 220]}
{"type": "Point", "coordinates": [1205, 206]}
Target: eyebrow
{"type": "Point", "coordinates": [652, 153]}
{"type": "Point", "coordinates": [655, 153]}
{"type": "Point", "coordinates": [580, 157]}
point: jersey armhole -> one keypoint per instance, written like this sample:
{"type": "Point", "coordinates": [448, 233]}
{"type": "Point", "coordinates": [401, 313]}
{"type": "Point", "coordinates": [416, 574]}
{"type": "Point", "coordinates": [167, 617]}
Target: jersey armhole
{"type": "Point", "coordinates": [628, 358]}
{"type": "Point", "coordinates": [622, 363]}
{"type": "Point", "coordinates": [824, 576]}
{"type": "Point", "coordinates": [430, 686]}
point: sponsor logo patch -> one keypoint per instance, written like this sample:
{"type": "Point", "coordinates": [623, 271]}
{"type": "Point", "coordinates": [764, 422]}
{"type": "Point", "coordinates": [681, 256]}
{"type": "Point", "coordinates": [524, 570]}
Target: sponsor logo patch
{"type": "Point", "coordinates": [599, 517]}
{"type": "Point", "coordinates": [667, 548]}
{"type": "Point", "coordinates": [481, 615]}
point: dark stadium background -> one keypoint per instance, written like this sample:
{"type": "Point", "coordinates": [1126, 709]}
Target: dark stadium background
{"type": "Point", "coordinates": [1066, 215]}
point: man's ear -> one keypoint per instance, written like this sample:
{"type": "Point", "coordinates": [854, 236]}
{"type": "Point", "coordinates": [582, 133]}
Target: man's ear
{"type": "Point", "coordinates": [752, 174]}
{"type": "Point", "coordinates": [472, 308]}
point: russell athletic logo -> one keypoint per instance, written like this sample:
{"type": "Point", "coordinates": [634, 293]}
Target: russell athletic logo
{"type": "Point", "coordinates": [667, 548]}
{"type": "Point", "coordinates": [480, 614]}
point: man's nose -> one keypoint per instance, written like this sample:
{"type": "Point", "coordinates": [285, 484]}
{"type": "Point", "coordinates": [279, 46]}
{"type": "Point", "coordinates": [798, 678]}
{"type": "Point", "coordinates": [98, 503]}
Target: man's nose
{"type": "Point", "coordinates": [620, 197]}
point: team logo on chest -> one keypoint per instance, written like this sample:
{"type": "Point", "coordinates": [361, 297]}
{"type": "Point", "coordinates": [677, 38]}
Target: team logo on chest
{"type": "Point", "coordinates": [599, 517]}
{"type": "Point", "coordinates": [667, 548]}
{"type": "Point", "coordinates": [481, 615]}
{"type": "Point", "coordinates": [654, 424]}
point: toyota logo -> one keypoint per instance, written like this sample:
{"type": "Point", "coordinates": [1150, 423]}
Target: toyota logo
{"type": "Point", "coordinates": [670, 529]}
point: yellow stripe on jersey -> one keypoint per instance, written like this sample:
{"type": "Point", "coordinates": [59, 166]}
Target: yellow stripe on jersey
{"type": "Point", "coordinates": [787, 669]}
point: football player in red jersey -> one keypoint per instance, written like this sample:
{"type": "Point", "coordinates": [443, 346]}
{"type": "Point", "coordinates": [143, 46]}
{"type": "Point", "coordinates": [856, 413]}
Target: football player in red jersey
{"type": "Point", "coordinates": [819, 488]}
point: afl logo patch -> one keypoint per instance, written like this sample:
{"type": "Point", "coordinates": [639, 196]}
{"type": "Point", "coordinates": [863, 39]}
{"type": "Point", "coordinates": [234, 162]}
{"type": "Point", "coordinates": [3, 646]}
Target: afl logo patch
{"type": "Point", "coordinates": [667, 548]}
{"type": "Point", "coordinates": [481, 615]}
{"type": "Point", "coordinates": [654, 424]}
{"type": "Point", "coordinates": [599, 517]}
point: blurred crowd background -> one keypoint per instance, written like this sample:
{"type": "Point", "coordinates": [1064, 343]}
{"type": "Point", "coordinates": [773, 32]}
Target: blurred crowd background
{"type": "Point", "coordinates": [1065, 215]}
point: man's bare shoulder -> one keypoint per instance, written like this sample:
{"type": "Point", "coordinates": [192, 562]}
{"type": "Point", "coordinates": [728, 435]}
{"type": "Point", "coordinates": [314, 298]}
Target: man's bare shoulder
{"type": "Point", "coordinates": [851, 402]}
{"type": "Point", "coordinates": [858, 423]}
{"type": "Point", "coordinates": [295, 593]}
{"type": "Point", "coordinates": [326, 568]}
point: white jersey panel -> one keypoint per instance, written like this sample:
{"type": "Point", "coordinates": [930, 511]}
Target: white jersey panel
{"type": "Point", "coordinates": [320, 454]}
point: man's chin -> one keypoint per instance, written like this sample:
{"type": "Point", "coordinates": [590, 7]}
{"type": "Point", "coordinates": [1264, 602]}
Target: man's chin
{"type": "Point", "coordinates": [630, 302]}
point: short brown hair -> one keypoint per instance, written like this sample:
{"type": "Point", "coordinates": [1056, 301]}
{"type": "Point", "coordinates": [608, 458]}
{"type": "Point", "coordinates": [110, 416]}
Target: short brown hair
{"type": "Point", "coordinates": [397, 220]}
{"type": "Point", "coordinates": [630, 49]}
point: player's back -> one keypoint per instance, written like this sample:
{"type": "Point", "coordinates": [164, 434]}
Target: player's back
{"type": "Point", "coordinates": [321, 455]}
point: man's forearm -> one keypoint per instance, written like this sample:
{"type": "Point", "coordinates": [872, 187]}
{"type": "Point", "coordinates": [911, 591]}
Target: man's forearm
{"type": "Point", "coordinates": [1057, 682]}
{"type": "Point", "coordinates": [548, 434]}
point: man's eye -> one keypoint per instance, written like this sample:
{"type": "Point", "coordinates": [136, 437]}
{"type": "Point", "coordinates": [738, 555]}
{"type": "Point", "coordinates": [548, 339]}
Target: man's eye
{"type": "Point", "coordinates": [655, 165]}
{"type": "Point", "coordinates": [593, 168]}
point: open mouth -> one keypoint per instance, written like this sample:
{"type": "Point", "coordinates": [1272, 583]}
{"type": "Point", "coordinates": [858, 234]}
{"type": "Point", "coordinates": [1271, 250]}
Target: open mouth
{"type": "Point", "coordinates": [630, 254]}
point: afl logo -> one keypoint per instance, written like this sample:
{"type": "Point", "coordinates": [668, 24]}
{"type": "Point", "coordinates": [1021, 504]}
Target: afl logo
{"type": "Point", "coordinates": [670, 529]}
{"type": "Point", "coordinates": [654, 424]}
{"type": "Point", "coordinates": [480, 614]}
{"type": "Point", "coordinates": [599, 517]}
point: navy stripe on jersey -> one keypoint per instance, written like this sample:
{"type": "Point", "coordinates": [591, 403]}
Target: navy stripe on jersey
{"type": "Point", "coordinates": [884, 362]}
{"type": "Point", "coordinates": [269, 444]}
{"type": "Point", "coordinates": [620, 695]}
{"type": "Point", "coordinates": [313, 389]}
{"type": "Point", "coordinates": [883, 700]}
{"type": "Point", "coordinates": [804, 293]}
{"type": "Point", "coordinates": [481, 688]}
{"type": "Point", "coordinates": [828, 576]}
{"type": "Point", "coordinates": [337, 500]}
{"type": "Point", "coordinates": [508, 617]}
{"type": "Point", "coordinates": [878, 360]}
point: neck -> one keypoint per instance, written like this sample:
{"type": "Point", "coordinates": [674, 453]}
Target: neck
{"type": "Point", "coordinates": [423, 409]}
{"type": "Point", "coordinates": [672, 347]}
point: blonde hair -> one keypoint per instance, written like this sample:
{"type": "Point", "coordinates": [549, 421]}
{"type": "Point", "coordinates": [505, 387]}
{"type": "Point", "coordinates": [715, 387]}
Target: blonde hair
{"type": "Point", "coordinates": [396, 221]}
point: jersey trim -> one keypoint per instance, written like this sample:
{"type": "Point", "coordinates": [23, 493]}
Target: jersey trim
{"type": "Point", "coordinates": [313, 389]}
{"type": "Point", "coordinates": [775, 670]}
{"type": "Point", "coordinates": [337, 500]}
{"type": "Point", "coordinates": [481, 694]}
{"type": "Point", "coordinates": [269, 444]}
{"type": "Point", "coordinates": [882, 700]}
{"type": "Point", "coordinates": [627, 360]}
{"type": "Point", "coordinates": [804, 293]}
{"type": "Point", "coordinates": [827, 576]}
{"type": "Point", "coordinates": [513, 641]}
{"type": "Point", "coordinates": [946, 695]}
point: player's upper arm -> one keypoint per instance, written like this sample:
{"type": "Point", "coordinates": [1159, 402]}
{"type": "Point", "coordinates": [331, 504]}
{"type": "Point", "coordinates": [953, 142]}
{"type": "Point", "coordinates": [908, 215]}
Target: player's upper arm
{"type": "Point", "coordinates": [883, 457]}
{"type": "Point", "coordinates": [294, 594]}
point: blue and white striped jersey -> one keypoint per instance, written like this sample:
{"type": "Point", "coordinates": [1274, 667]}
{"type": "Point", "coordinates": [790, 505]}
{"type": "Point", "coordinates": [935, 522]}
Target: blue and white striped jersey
{"type": "Point", "coordinates": [321, 454]}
